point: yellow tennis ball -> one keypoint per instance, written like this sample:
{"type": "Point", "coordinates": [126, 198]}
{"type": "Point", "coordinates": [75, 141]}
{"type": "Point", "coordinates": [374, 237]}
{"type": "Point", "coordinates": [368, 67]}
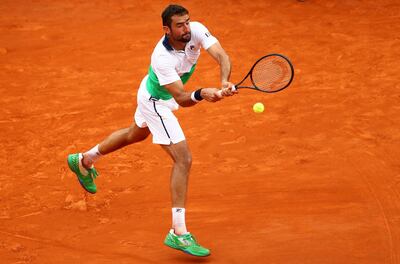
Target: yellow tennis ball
{"type": "Point", "coordinates": [258, 108]}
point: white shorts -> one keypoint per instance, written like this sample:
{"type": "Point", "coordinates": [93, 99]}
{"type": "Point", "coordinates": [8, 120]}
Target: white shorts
{"type": "Point", "coordinates": [158, 117]}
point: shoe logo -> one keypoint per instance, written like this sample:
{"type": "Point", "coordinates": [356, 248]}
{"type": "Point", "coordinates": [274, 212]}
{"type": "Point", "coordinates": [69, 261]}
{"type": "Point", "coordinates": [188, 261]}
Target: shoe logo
{"type": "Point", "coordinates": [184, 241]}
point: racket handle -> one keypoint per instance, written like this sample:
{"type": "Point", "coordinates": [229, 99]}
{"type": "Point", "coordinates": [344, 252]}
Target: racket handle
{"type": "Point", "coordinates": [220, 91]}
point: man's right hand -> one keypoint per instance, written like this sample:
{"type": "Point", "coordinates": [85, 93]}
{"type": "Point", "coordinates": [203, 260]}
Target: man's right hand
{"type": "Point", "coordinates": [211, 94]}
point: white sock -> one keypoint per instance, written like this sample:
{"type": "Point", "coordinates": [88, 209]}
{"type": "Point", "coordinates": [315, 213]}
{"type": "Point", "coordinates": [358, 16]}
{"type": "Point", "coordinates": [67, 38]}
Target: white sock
{"type": "Point", "coordinates": [94, 154]}
{"type": "Point", "coordinates": [178, 221]}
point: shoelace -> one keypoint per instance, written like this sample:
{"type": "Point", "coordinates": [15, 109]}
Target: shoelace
{"type": "Point", "coordinates": [93, 173]}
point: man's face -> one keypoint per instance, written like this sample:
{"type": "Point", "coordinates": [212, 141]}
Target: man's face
{"type": "Point", "coordinates": [180, 28]}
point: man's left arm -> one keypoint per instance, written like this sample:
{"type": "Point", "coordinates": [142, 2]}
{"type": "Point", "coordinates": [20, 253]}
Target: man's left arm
{"type": "Point", "coordinates": [218, 53]}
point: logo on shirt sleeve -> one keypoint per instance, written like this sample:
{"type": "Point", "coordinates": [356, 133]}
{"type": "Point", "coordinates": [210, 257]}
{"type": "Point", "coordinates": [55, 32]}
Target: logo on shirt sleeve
{"type": "Point", "coordinates": [207, 34]}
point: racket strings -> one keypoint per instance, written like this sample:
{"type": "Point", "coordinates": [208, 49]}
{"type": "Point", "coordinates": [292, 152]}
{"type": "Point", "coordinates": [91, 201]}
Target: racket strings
{"type": "Point", "coordinates": [272, 73]}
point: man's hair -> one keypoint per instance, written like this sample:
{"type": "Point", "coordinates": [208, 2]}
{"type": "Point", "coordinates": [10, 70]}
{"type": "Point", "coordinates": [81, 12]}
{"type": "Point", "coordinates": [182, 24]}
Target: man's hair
{"type": "Point", "coordinates": [170, 11]}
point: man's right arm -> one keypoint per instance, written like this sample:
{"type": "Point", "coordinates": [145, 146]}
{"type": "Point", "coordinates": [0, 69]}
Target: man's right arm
{"type": "Point", "coordinates": [184, 98]}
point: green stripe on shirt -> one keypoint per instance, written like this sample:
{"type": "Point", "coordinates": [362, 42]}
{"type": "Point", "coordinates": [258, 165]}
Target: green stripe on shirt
{"type": "Point", "coordinates": [160, 92]}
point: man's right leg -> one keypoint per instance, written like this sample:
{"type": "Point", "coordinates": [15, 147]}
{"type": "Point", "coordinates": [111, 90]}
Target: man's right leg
{"type": "Point", "coordinates": [115, 141]}
{"type": "Point", "coordinates": [82, 164]}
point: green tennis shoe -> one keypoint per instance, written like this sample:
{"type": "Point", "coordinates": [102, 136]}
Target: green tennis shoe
{"type": "Point", "coordinates": [86, 181]}
{"type": "Point", "coordinates": [186, 243]}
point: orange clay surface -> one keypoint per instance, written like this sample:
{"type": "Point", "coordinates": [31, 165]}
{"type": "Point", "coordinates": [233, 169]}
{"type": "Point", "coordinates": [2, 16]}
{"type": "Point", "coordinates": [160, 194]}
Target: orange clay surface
{"type": "Point", "coordinates": [313, 179]}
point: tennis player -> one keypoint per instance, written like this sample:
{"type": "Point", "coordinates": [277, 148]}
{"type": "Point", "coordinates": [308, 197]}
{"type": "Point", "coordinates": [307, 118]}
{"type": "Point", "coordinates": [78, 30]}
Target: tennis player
{"type": "Point", "coordinates": [161, 92]}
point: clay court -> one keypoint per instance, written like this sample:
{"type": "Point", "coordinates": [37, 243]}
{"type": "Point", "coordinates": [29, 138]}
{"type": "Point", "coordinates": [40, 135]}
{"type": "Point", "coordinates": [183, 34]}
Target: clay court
{"type": "Point", "coordinates": [314, 179]}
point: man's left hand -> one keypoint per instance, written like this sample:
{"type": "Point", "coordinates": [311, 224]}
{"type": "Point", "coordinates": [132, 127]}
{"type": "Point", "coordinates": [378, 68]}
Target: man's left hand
{"type": "Point", "coordinates": [228, 89]}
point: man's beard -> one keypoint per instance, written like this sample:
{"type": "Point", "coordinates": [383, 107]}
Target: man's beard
{"type": "Point", "coordinates": [185, 38]}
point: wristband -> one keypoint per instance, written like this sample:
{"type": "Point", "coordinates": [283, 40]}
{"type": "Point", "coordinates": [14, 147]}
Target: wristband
{"type": "Point", "coordinates": [196, 96]}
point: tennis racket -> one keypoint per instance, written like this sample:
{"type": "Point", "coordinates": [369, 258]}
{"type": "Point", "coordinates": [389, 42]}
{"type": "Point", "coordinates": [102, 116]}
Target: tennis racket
{"type": "Point", "coordinates": [270, 74]}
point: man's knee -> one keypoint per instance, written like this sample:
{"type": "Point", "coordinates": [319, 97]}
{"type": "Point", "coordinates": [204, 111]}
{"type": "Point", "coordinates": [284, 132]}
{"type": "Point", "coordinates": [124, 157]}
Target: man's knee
{"type": "Point", "coordinates": [188, 159]}
{"type": "Point", "coordinates": [184, 159]}
{"type": "Point", "coordinates": [180, 154]}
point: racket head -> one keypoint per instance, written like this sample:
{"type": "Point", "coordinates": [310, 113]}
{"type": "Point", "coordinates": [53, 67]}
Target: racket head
{"type": "Point", "coordinates": [271, 73]}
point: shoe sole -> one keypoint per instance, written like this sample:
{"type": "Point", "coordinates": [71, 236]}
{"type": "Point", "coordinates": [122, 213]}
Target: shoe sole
{"type": "Point", "coordinates": [79, 180]}
{"type": "Point", "coordinates": [187, 252]}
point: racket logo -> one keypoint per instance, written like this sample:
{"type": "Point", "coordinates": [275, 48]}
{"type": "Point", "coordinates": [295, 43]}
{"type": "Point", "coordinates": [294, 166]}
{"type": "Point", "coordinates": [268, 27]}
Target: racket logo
{"type": "Point", "coordinates": [278, 75]}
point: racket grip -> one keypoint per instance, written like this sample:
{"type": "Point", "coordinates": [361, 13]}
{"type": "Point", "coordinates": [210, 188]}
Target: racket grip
{"type": "Point", "coordinates": [220, 91]}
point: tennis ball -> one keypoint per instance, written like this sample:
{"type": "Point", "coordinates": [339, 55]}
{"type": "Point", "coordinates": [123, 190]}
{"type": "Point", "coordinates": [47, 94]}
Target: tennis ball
{"type": "Point", "coordinates": [258, 107]}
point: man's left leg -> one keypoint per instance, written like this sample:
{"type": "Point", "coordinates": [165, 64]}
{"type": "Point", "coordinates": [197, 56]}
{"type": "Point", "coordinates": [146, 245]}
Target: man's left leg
{"type": "Point", "coordinates": [178, 237]}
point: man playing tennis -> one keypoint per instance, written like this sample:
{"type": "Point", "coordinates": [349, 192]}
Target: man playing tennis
{"type": "Point", "coordinates": [160, 93]}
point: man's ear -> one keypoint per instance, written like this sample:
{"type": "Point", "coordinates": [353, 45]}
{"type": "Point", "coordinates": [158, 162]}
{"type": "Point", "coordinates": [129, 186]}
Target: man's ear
{"type": "Point", "coordinates": [167, 30]}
